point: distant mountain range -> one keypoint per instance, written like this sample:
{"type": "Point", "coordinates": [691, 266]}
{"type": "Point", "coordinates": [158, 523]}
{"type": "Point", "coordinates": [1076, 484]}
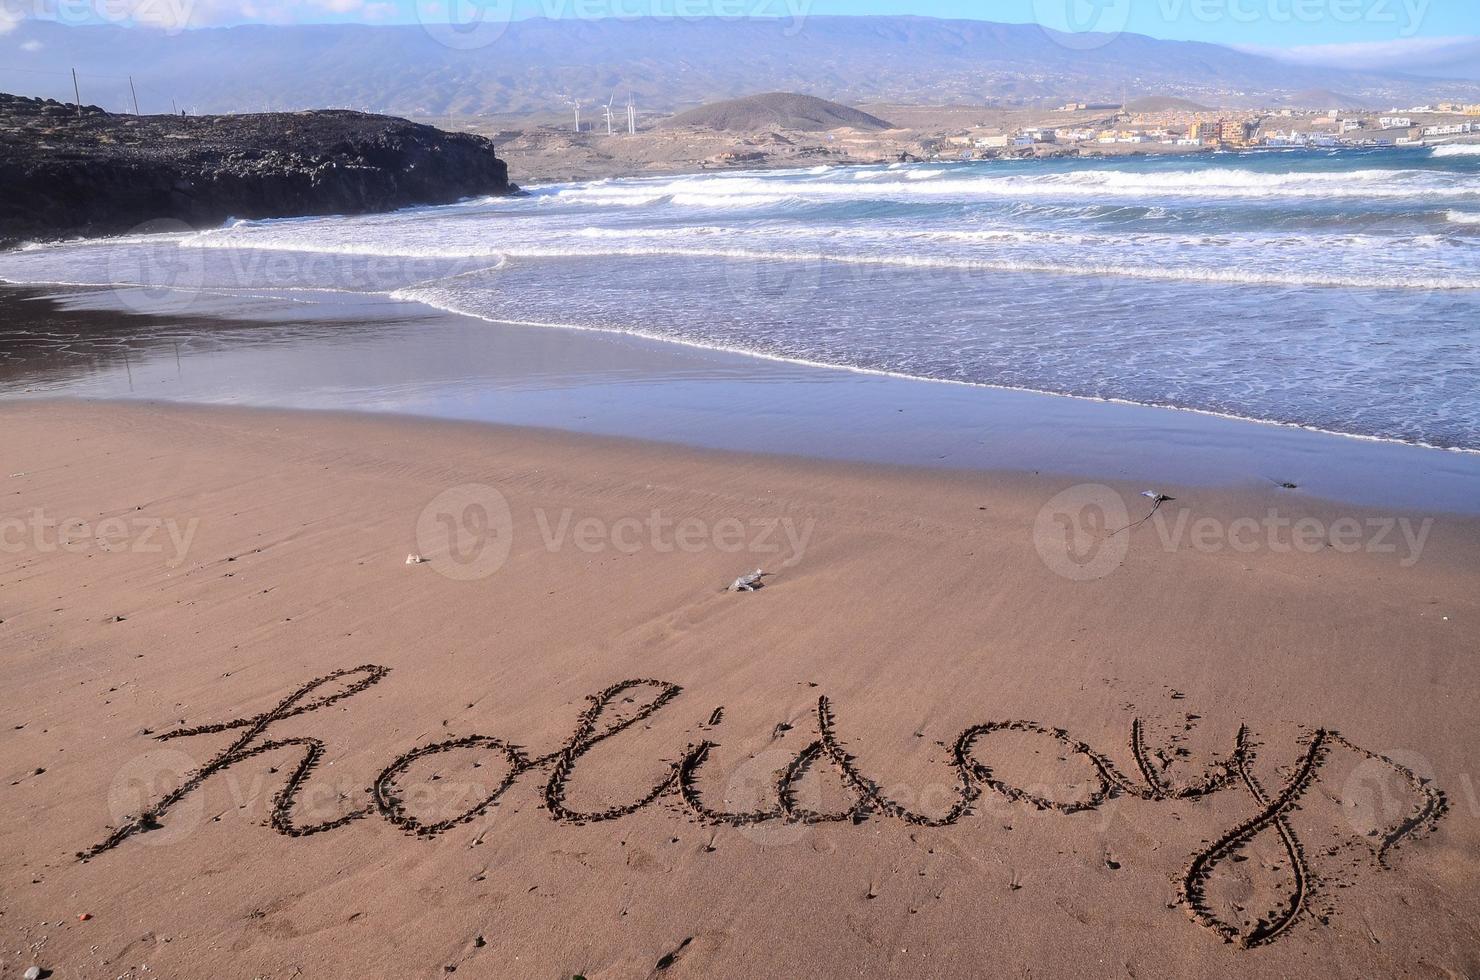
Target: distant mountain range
{"type": "Point", "coordinates": [666, 64]}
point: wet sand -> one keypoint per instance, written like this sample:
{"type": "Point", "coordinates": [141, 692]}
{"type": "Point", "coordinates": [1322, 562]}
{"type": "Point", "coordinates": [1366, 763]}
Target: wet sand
{"type": "Point", "coordinates": [366, 353]}
{"type": "Point", "coordinates": [973, 723]}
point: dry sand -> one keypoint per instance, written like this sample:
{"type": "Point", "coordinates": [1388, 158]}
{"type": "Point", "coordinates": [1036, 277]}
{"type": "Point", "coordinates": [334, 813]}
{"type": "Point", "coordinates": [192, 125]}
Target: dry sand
{"type": "Point", "coordinates": [919, 605]}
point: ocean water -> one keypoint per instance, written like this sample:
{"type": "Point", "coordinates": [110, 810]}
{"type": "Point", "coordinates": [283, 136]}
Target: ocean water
{"type": "Point", "coordinates": [1334, 290]}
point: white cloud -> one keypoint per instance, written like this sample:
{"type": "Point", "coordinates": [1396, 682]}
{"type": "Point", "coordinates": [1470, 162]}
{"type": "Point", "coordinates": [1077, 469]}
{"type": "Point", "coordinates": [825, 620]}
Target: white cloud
{"type": "Point", "coordinates": [9, 19]}
{"type": "Point", "coordinates": [31, 47]}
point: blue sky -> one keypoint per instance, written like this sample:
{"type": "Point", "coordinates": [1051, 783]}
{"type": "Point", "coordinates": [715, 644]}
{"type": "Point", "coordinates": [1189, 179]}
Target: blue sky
{"type": "Point", "coordinates": [1261, 23]}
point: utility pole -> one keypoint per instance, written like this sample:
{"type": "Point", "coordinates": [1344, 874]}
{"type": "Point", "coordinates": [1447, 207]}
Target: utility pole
{"type": "Point", "coordinates": [134, 92]}
{"type": "Point", "coordinates": [77, 91]}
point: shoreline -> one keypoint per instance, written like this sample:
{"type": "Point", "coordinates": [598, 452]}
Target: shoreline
{"type": "Point", "coordinates": [921, 379]}
{"type": "Point", "coordinates": [219, 562]}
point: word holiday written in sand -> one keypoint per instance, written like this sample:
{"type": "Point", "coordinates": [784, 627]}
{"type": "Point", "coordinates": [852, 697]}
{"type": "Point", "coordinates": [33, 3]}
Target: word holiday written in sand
{"type": "Point", "coordinates": [605, 718]}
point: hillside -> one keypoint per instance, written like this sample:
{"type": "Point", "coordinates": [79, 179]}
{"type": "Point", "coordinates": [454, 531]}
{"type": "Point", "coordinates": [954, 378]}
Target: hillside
{"type": "Point", "coordinates": [1326, 99]}
{"type": "Point", "coordinates": [539, 65]}
{"type": "Point", "coordinates": [1165, 103]}
{"type": "Point", "coordinates": [777, 110]}
{"type": "Point", "coordinates": [68, 173]}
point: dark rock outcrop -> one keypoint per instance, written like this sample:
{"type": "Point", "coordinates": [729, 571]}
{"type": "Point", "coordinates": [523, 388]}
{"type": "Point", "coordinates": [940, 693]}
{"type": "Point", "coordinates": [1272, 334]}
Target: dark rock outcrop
{"type": "Point", "coordinates": [66, 173]}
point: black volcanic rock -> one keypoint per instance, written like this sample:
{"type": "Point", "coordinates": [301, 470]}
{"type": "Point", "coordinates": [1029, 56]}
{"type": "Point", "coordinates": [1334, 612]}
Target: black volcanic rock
{"type": "Point", "coordinates": [95, 173]}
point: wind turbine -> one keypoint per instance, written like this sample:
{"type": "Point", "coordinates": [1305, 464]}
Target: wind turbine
{"type": "Point", "coordinates": [631, 116]}
{"type": "Point", "coordinates": [608, 111]}
{"type": "Point", "coordinates": [575, 104]}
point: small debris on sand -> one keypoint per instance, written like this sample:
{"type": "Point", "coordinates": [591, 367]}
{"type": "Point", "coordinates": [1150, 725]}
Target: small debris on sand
{"type": "Point", "coordinates": [748, 583]}
{"type": "Point", "coordinates": [416, 560]}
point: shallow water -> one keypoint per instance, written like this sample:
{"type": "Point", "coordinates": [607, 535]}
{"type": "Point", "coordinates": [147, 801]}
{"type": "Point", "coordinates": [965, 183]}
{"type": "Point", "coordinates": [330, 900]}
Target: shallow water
{"type": "Point", "coordinates": [362, 353]}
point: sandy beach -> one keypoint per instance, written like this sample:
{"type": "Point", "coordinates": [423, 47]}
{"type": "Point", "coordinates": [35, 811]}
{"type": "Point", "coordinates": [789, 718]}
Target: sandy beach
{"type": "Point", "coordinates": [973, 723]}
{"type": "Point", "coordinates": [540, 493]}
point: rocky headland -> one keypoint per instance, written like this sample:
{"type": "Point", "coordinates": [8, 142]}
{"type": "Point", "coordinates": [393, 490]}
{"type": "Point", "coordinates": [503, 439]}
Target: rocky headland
{"type": "Point", "coordinates": [70, 172]}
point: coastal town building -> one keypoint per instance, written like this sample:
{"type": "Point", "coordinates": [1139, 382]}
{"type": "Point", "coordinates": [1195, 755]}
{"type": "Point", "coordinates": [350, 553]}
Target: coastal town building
{"type": "Point", "coordinates": [1452, 129]}
{"type": "Point", "coordinates": [1068, 130]}
{"type": "Point", "coordinates": [1234, 132]}
{"type": "Point", "coordinates": [1201, 132]}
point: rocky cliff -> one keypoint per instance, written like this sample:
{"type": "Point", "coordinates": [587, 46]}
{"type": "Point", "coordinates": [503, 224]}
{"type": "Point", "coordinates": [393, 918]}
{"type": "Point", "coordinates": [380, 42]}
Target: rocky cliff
{"type": "Point", "coordinates": [65, 173]}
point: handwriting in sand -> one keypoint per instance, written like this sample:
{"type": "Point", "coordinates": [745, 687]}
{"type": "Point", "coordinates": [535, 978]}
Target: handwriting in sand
{"type": "Point", "coordinates": [601, 721]}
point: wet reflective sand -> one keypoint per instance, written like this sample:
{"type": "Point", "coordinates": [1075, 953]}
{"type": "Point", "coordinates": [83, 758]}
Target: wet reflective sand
{"type": "Point", "coordinates": [366, 353]}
